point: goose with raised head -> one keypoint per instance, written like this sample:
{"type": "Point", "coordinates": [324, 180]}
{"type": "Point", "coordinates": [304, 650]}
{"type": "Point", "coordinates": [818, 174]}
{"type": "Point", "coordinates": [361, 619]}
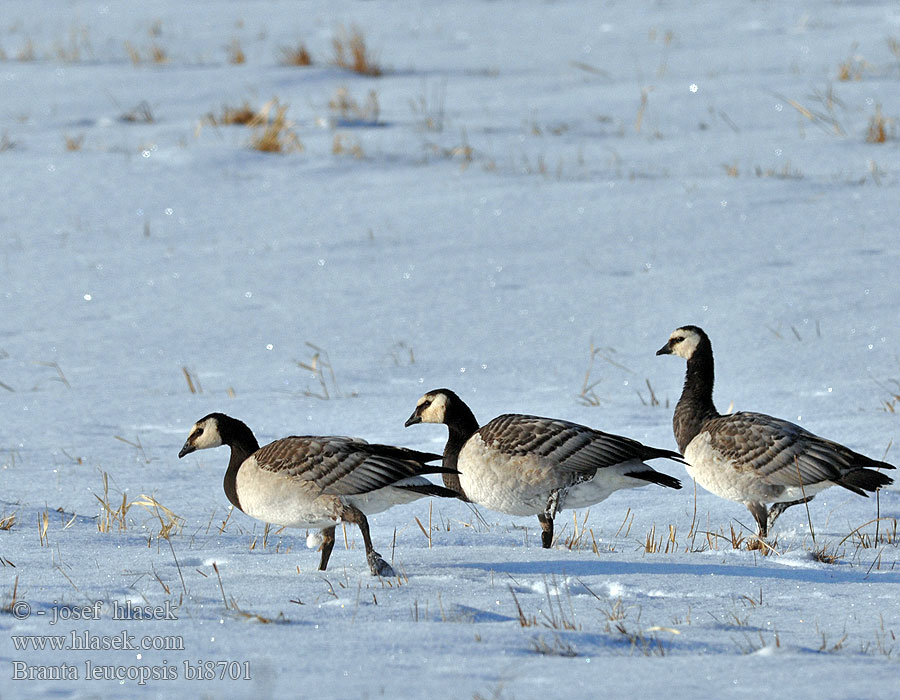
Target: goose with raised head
{"type": "Point", "coordinates": [527, 465]}
{"type": "Point", "coordinates": [754, 458]}
{"type": "Point", "coordinates": [316, 481]}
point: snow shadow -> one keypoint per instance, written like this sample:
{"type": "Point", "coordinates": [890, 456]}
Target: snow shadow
{"type": "Point", "coordinates": [561, 567]}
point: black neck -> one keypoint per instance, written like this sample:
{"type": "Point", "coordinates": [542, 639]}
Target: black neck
{"type": "Point", "coordinates": [696, 403]}
{"type": "Point", "coordinates": [240, 439]}
{"type": "Point", "coordinates": [462, 426]}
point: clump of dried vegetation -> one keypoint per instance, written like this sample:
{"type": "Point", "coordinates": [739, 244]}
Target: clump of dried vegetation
{"type": "Point", "coordinates": [349, 111]}
{"type": "Point", "coordinates": [235, 53]}
{"type": "Point", "coordinates": [295, 55]}
{"type": "Point", "coordinates": [351, 52]}
{"type": "Point", "coordinates": [152, 54]}
{"type": "Point", "coordinates": [275, 133]}
{"type": "Point", "coordinates": [880, 128]}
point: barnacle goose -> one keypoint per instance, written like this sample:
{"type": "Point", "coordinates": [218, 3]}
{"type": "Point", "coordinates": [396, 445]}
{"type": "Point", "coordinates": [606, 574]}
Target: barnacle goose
{"type": "Point", "coordinates": [753, 458]}
{"type": "Point", "coordinates": [526, 465]}
{"type": "Point", "coordinates": [313, 482]}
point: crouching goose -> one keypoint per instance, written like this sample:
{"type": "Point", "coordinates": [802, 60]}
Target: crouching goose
{"type": "Point", "coordinates": [753, 458]}
{"type": "Point", "coordinates": [526, 465]}
{"type": "Point", "coordinates": [313, 482]}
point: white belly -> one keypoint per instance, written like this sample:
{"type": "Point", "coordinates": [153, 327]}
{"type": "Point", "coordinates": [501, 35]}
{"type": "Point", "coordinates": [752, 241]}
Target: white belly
{"type": "Point", "coordinates": [608, 481]}
{"type": "Point", "coordinates": [522, 484]}
{"type": "Point", "coordinates": [276, 499]}
{"type": "Point", "coordinates": [382, 499]}
{"type": "Point", "coordinates": [512, 484]}
{"type": "Point", "coordinates": [717, 474]}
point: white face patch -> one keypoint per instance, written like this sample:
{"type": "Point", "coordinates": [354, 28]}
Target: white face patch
{"type": "Point", "coordinates": [435, 411]}
{"type": "Point", "coordinates": [685, 348]}
{"type": "Point", "coordinates": [205, 434]}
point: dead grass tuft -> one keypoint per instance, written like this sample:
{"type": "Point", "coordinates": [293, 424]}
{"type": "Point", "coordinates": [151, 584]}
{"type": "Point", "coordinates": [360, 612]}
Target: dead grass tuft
{"type": "Point", "coordinates": [349, 112]}
{"type": "Point", "coordinates": [826, 554]}
{"type": "Point", "coordinates": [880, 129]}
{"type": "Point", "coordinates": [27, 53]}
{"type": "Point", "coordinates": [323, 372]}
{"type": "Point", "coordinates": [556, 647]}
{"type": "Point", "coordinates": [74, 143]}
{"type": "Point", "coordinates": [665, 543]}
{"type": "Point", "coordinates": [10, 605]}
{"type": "Point", "coordinates": [113, 514]}
{"type": "Point", "coordinates": [275, 133]}
{"type": "Point", "coordinates": [154, 54]}
{"type": "Point", "coordinates": [71, 50]}
{"type": "Point", "coordinates": [853, 67]}
{"type": "Point", "coordinates": [139, 114]}
{"type": "Point", "coordinates": [351, 52]}
{"type": "Point", "coordinates": [7, 521]}
{"type": "Point", "coordinates": [295, 56]}
{"type": "Point", "coordinates": [235, 53]}
{"type": "Point", "coordinates": [347, 146]}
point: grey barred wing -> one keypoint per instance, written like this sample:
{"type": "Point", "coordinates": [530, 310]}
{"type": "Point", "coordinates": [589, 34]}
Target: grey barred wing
{"type": "Point", "coordinates": [778, 451]}
{"type": "Point", "coordinates": [340, 465]}
{"type": "Point", "coordinates": [571, 446]}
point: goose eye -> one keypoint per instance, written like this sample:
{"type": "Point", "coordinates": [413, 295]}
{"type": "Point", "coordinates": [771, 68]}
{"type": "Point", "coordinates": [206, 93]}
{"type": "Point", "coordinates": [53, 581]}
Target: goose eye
{"type": "Point", "coordinates": [425, 404]}
{"type": "Point", "coordinates": [197, 433]}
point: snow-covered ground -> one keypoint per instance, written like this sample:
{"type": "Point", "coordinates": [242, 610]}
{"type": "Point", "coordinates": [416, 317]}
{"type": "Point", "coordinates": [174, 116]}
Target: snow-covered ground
{"type": "Point", "coordinates": [541, 181]}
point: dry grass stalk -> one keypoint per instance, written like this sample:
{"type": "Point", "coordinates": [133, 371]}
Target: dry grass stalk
{"type": "Point", "coordinates": [8, 608]}
{"type": "Point", "coordinates": [645, 100]}
{"type": "Point", "coordinates": [133, 53]}
{"type": "Point", "coordinates": [192, 380]}
{"type": "Point", "coordinates": [524, 620]}
{"type": "Point", "coordinates": [351, 52]}
{"type": "Point", "coordinates": [295, 56]}
{"type": "Point", "coordinates": [7, 521]}
{"type": "Point", "coordinates": [235, 53]}
{"type": "Point", "coordinates": [43, 527]}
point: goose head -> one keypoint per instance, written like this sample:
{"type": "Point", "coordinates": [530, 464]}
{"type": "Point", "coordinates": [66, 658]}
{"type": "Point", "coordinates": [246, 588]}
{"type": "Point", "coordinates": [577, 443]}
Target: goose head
{"type": "Point", "coordinates": [204, 434]}
{"type": "Point", "coordinates": [432, 407]}
{"type": "Point", "coordinates": [684, 342]}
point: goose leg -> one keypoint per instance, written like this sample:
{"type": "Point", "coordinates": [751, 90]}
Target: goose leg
{"type": "Point", "coordinates": [779, 508]}
{"type": "Point", "coordinates": [761, 515]}
{"type": "Point", "coordinates": [377, 565]}
{"type": "Point", "coordinates": [546, 519]}
{"type": "Point", "coordinates": [546, 530]}
{"type": "Point", "coordinates": [327, 546]}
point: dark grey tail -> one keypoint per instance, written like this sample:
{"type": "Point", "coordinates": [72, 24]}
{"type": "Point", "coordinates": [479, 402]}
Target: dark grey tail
{"type": "Point", "coordinates": [431, 490]}
{"type": "Point", "coordinates": [660, 453]}
{"type": "Point", "coordinates": [655, 477]}
{"type": "Point", "coordinates": [862, 480]}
